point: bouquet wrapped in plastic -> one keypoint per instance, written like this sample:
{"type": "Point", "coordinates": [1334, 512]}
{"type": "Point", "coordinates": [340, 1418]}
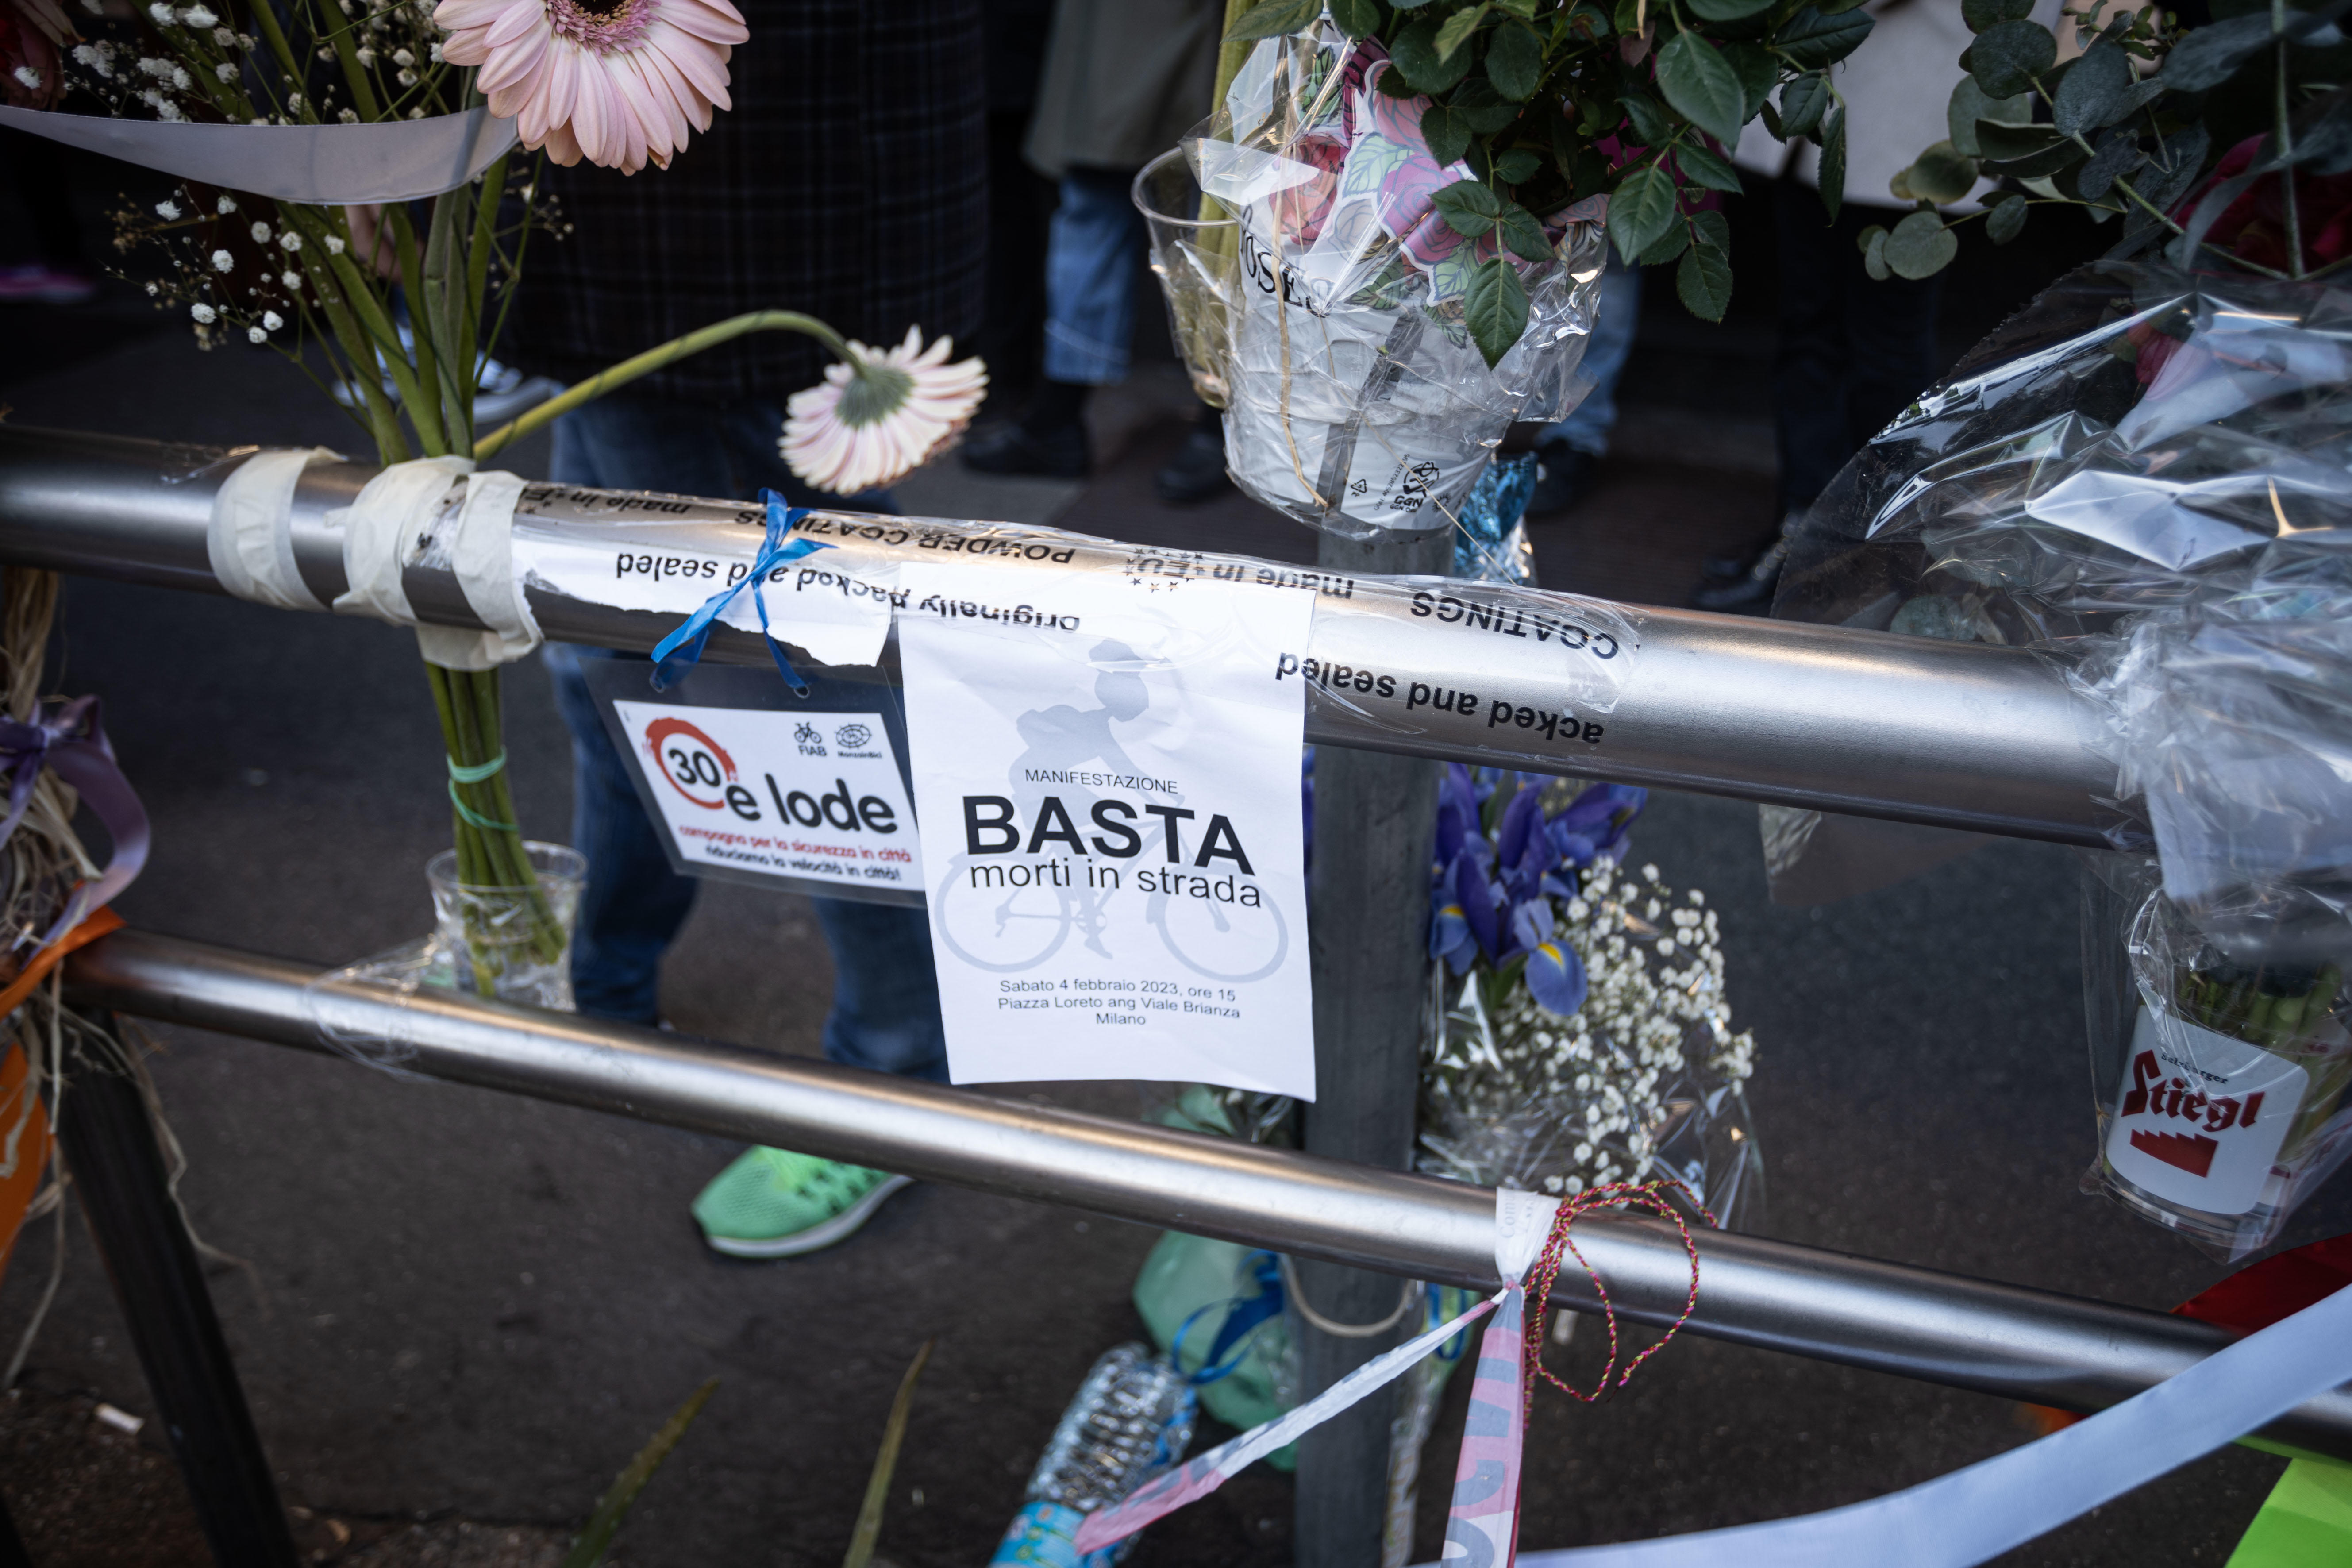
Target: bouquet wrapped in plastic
{"type": "Point", "coordinates": [1577, 1032]}
{"type": "Point", "coordinates": [2144, 477]}
{"type": "Point", "coordinates": [1359, 398]}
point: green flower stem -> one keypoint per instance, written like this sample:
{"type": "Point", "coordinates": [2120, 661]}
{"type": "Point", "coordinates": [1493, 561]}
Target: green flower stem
{"type": "Point", "coordinates": [655, 359]}
{"type": "Point", "coordinates": [478, 273]}
{"type": "Point", "coordinates": [2284, 129]}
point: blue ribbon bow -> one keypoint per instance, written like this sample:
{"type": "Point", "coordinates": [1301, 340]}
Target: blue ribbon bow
{"type": "Point", "coordinates": [68, 740]}
{"type": "Point", "coordinates": [686, 643]}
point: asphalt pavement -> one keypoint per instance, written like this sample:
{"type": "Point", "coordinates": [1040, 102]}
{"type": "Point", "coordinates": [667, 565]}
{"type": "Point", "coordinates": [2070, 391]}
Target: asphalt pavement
{"type": "Point", "coordinates": [466, 1307]}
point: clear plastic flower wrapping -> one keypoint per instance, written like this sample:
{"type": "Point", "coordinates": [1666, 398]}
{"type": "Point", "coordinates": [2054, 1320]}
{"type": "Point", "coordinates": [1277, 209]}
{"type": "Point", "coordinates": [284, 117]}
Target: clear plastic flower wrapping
{"type": "Point", "coordinates": [1357, 400]}
{"type": "Point", "coordinates": [2143, 476]}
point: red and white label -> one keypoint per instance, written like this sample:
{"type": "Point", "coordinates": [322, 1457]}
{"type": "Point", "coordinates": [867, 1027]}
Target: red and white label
{"type": "Point", "coordinates": [2200, 1116]}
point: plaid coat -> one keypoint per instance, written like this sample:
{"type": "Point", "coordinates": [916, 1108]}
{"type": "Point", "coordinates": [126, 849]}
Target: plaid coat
{"type": "Point", "coordinates": [850, 181]}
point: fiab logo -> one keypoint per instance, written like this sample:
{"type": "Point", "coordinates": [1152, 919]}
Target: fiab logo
{"type": "Point", "coordinates": [689, 760]}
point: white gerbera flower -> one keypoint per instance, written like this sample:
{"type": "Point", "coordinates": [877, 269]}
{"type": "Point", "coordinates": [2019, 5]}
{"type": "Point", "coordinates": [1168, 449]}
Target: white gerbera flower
{"type": "Point", "coordinates": [880, 414]}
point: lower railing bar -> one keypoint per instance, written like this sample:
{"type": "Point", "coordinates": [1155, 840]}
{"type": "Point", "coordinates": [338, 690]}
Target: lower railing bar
{"type": "Point", "coordinates": [1856, 1312]}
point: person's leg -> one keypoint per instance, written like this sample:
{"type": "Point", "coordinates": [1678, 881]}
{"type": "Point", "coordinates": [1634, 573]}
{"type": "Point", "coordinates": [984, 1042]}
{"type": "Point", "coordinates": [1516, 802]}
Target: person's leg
{"type": "Point", "coordinates": [1091, 258]}
{"type": "Point", "coordinates": [1568, 451]}
{"type": "Point", "coordinates": [885, 997]}
{"type": "Point", "coordinates": [634, 904]}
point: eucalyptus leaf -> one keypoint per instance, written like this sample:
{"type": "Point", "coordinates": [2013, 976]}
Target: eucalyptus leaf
{"type": "Point", "coordinates": [2092, 93]}
{"type": "Point", "coordinates": [1273, 18]}
{"type": "Point", "coordinates": [1468, 208]}
{"type": "Point", "coordinates": [1942, 174]}
{"type": "Point", "coordinates": [2209, 56]}
{"type": "Point", "coordinates": [1969, 104]}
{"type": "Point", "coordinates": [1874, 256]}
{"type": "Point", "coordinates": [1514, 61]}
{"type": "Point", "coordinates": [1920, 245]}
{"type": "Point", "coordinates": [2008, 55]}
{"type": "Point", "coordinates": [1758, 74]}
{"type": "Point", "coordinates": [1703, 282]}
{"type": "Point", "coordinates": [1810, 39]}
{"type": "Point", "coordinates": [1802, 103]}
{"type": "Point", "coordinates": [1702, 86]}
{"type": "Point", "coordinates": [1515, 167]}
{"type": "Point", "coordinates": [1833, 169]}
{"type": "Point", "coordinates": [1525, 234]}
{"type": "Point", "coordinates": [2118, 155]}
{"type": "Point", "coordinates": [1874, 235]}
{"type": "Point", "coordinates": [2174, 167]}
{"type": "Point", "coordinates": [1641, 208]}
{"type": "Point", "coordinates": [1980, 15]}
{"type": "Point", "coordinates": [1357, 18]}
{"type": "Point", "coordinates": [2005, 219]}
{"type": "Point", "coordinates": [2323, 135]}
{"type": "Point", "coordinates": [1457, 29]}
{"type": "Point", "coordinates": [1496, 308]}
{"type": "Point", "coordinates": [1415, 54]}
{"type": "Point", "coordinates": [1701, 166]}
{"type": "Point", "coordinates": [1648, 120]}
{"type": "Point", "coordinates": [2040, 165]}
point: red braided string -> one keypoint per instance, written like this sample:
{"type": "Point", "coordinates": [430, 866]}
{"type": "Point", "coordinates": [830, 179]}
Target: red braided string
{"type": "Point", "coordinates": [1647, 1195]}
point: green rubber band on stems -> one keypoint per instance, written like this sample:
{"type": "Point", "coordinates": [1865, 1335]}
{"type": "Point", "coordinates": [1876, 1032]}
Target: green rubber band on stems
{"type": "Point", "coordinates": [487, 824]}
{"type": "Point", "coordinates": [479, 772]}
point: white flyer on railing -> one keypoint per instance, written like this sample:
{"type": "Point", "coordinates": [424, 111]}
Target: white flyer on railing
{"type": "Point", "coordinates": [1106, 779]}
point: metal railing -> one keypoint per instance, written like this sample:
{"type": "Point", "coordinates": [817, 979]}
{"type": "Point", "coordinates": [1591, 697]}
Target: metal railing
{"type": "Point", "coordinates": [1913, 1322]}
{"type": "Point", "coordinates": [1954, 734]}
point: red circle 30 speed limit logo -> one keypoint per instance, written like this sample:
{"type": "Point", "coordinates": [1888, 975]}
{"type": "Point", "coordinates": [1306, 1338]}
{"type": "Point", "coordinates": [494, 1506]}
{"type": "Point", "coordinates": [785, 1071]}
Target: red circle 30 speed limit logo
{"type": "Point", "coordinates": [689, 760]}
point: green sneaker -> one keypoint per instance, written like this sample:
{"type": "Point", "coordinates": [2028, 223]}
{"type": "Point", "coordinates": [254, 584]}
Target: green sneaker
{"type": "Point", "coordinates": [772, 1203]}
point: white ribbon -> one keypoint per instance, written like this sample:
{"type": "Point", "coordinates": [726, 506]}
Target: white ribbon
{"type": "Point", "coordinates": [392, 522]}
{"type": "Point", "coordinates": [325, 165]}
{"type": "Point", "coordinates": [250, 540]}
{"type": "Point", "coordinates": [1975, 1514]}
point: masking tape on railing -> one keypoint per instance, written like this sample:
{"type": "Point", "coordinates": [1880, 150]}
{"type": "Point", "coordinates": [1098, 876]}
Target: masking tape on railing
{"type": "Point", "coordinates": [250, 540]}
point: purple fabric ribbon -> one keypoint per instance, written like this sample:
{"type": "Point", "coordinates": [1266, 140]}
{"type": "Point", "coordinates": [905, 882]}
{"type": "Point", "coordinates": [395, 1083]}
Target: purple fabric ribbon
{"type": "Point", "coordinates": [70, 739]}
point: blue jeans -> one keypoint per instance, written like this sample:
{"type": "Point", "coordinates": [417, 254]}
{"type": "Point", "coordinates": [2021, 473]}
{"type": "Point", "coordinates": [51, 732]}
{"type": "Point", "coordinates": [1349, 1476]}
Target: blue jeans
{"type": "Point", "coordinates": [1091, 256]}
{"type": "Point", "coordinates": [886, 999]}
{"type": "Point", "coordinates": [1588, 425]}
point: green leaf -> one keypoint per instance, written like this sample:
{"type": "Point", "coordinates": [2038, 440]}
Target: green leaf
{"type": "Point", "coordinates": [1669, 244]}
{"type": "Point", "coordinates": [1702, 86]}
{"type": "Point", "coordinates": [1486, 110]}
{"type": "Point", "coordinates": [2008, 142]}
{"type": "Point", "coordinates": [2209, 56]}
{"type": "Point", "coordinates": [2118, 155]}
{"type": "Point", "coordinates": [1514, 167]}
{"type": "Point", "coordinates": [1812, 40]}
{"type": "Point", "coordinates": [2094, 91]}
{"type": "Point", "coordinates": [1457, 30]}
{"type": "Point", "coordinates": [1649, 120]}
{"type": "Point", "coordinates": [589, 1546]}
{"type": "Point", "coordinates": [1980, 15]}
{"type": "Point", "coordinates": [1525, 234]}
{"type": "Point", "coordinates": [1940, 174]}
{"type": "Point", "coordinates": [1700, 166]}
{"type": "Point", "coordinates": [1641, 208]}
{"type": "Point", "coordinates": [1758, 74]}
{"type": "Point", "coordinates": [1874, 256]}
{"type": "Point", "coordinates": [1274, 18]}
{"type": "Point", "coordinates": [1921, 247]}
{"type": "Point", "coordinates": [1728, 10]}
{"type": "Point", "coordinates": [868, 1528]}
{"type": "Point", "coordinates": [1802, 103]}
{"type": "Point", "coordinates": [1447, 132]}
{"type": "Point", "coordinates": [1771, 118]}
{"type": "Point", "coordinates": [1960, 116]}
{"type": "Point", "coordinates": [1832, 170]}
{"type": "Point", "coordinates": [1496, 308]}
{"type": "Point", "coordinates": [1704, 281]}
{"type": "Point", "coordinates": [1711, 230]}
{"type": "Point", "coordinates": [1514, 61]}
{"type": "Point", "coordinates": [1874, 235]}
{"type": "Point", "coordinates": [1468, 208]}
{"type": "Point", "coordinates": [1588, 176]}
{"type": "Point", "coordinates": [1415, 54]}
{"type": "Point", "coordinates": [2040, 165]}
{"type": "Point", "coordinates": [2006, 57]}
{"type": "Point", "coordinates": [1357, 18]}
{"type": "Point", "coordinates": [2005, 219]}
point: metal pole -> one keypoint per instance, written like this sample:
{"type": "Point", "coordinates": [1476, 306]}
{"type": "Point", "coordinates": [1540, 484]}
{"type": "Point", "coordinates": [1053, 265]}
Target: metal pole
{"type": "Point", "coordinates": [1912, 729]}
{"type": "Point", "coordinates": [1368, 893]}
{"type": "Point", "coordinates": [1938, 1328]}
{"type": "Point", "coordinates": [119, 1175]}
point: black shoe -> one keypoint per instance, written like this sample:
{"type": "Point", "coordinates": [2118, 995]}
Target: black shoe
{"type": "Point", "coordinates": [1057, 453]}
{"type": "Point", "coordinates": [1197, 471]}
{"type": "Point", "coordinates": [1564, 476]}
{"type": "Point", "coordinates": [1752, 593]}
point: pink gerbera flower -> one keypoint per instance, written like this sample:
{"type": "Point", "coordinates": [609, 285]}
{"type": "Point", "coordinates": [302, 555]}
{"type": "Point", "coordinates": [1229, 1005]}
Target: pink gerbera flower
{"type": "Point", "coordinates": [618, 82]}
{"type": "Point", "coordinates": [880, 414]}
